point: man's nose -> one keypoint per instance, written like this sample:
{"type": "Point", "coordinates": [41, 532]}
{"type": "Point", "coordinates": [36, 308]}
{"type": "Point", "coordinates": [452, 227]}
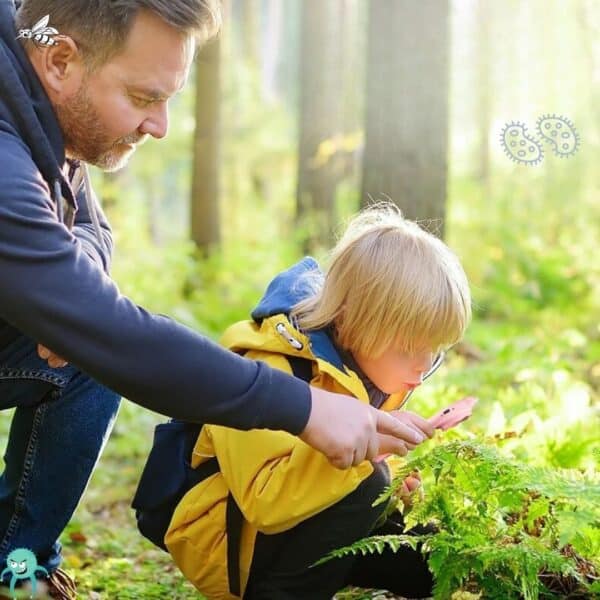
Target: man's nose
{"type": "Point", "coordinates": [157, 124]}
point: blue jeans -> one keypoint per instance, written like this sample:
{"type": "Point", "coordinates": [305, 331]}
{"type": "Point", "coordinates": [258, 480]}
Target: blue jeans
{"type": "Point", "coordinates": [61, 423]}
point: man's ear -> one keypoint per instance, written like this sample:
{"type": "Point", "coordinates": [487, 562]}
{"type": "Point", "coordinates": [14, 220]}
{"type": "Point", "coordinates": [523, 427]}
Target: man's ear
{"type": "Point", "coordinates": [61, 67]}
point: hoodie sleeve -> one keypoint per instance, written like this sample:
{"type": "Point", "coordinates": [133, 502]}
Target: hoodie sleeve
{"type": "Point", "coordinates": [53, 292]}
{"type": "Point", "coordinates": [83, 230]}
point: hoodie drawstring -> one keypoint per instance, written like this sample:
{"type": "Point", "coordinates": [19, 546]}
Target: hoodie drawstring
{"type": "Point", "coordinates": [57, 197]}
{"type": "Point", "coordinates": [91, 204]}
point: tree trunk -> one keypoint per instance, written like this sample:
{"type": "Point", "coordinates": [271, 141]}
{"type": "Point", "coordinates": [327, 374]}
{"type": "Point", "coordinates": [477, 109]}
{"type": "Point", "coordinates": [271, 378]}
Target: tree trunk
{"type": "Point", "coordinates": [406, 135]}
{"type": "Point", "coordinates": [320, 117]}
{"type": "Point", "coordinates": [250, 23]}
{"type": "Point", "coordinates": [205, 223]}
{"type": "Point", "coordinates": [484, 112]}
{"type": "Point", "coordinates": [271, 55]}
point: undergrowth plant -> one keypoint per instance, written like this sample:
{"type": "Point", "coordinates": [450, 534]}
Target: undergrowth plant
{"type": "Point", "coordinates": [506, 530]}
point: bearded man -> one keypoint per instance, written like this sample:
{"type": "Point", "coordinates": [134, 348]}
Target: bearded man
{"type": "Point", "coordinates": [85, 83]}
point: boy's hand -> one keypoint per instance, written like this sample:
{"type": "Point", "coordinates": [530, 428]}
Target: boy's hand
{"type": "Point", "coordinates": [54, 361]}
{"type": "Point", "coordinates": [411, 484]}
{"type": "Point", "coordinates": [348, 431]}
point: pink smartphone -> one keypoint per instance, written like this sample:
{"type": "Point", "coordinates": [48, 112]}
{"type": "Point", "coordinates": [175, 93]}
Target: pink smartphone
{"type": "Point", "coordinates": [454, 414]}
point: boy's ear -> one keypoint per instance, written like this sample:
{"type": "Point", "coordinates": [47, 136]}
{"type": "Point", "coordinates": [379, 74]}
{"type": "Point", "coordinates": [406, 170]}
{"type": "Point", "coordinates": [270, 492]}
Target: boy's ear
{"type": "Point", "coordinates": [61, 68]}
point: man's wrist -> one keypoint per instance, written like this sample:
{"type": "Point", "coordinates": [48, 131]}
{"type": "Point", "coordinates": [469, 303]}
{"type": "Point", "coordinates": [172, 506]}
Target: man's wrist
{"type": "Point", "coordinates": [291, 403]}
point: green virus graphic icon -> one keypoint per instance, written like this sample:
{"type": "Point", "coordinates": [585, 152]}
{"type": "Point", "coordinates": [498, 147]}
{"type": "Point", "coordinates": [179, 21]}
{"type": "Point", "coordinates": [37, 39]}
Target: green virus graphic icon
{"type": "Point", "coordinates": [519, 145]}
{"type": "Point", "coordinates": [560, 133]}
{"type": "Point", "coordinates": [525, 148]}
{"type": "Point", "coordinates": [22, 564]}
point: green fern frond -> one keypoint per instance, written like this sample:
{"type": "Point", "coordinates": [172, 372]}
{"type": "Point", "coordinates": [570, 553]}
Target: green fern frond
{"type": "Point", "coordinates": [375, 545]}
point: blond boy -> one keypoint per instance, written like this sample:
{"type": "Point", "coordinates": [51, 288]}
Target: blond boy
{"type": "Point", "coordinates": [393, 299]}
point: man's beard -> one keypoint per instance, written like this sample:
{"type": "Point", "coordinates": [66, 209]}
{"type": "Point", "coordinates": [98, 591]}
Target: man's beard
{"type": "Point", "coordinates": [84, 137]}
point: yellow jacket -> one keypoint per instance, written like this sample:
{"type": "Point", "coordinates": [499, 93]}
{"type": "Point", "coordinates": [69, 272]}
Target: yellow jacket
{"type": "Point", "coordinates": [276, 479]}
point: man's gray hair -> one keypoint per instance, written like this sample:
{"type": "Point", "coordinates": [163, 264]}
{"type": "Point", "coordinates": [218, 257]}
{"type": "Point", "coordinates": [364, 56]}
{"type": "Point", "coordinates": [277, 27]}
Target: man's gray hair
{"type": "Point", "coordinates": [100, 27]}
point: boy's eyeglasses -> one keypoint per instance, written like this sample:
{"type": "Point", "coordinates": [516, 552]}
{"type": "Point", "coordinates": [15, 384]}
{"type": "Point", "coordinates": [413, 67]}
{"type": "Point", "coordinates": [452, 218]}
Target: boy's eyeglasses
{"type": "Point", "coordinates": [437, 362]}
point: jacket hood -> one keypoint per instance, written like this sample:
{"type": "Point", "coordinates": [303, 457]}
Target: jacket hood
{"type": "Point", "coordinates": [288, 288]}
{"type": "Point", "coordinates": [25, 108]}
{"type": "Point", "coordinates": [282, 294]}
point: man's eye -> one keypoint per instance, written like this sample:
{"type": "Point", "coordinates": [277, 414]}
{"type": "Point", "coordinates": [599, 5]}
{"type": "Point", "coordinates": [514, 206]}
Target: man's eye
{"type": "Point", "coordinates": [141, 102]}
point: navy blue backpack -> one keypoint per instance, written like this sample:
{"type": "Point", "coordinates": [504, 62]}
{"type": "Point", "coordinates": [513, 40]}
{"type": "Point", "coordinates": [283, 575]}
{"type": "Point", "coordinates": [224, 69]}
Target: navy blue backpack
{"type": "Point", "coordinates": [168, 476]}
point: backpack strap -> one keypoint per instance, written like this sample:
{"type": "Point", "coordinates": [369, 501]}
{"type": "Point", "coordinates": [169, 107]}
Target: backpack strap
{"type": "Point", "coordinates": [301, 367]}
{"type": "Point", "coordinates": [233, 521]}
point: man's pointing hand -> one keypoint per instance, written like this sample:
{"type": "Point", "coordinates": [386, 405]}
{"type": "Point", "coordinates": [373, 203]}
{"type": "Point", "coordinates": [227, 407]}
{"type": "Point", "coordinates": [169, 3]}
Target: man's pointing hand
{"type": "Point", "coordinates": [348, 431]}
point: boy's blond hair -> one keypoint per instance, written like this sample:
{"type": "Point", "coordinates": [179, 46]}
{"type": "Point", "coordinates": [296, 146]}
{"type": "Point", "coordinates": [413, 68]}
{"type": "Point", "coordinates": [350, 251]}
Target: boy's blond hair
{"type": "Point", "coordinates": [389, 284]}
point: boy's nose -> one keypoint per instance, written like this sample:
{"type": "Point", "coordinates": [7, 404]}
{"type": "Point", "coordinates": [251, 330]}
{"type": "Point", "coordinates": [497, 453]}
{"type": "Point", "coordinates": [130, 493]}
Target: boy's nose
{"type": "Point", "coordinates": [423, 366]}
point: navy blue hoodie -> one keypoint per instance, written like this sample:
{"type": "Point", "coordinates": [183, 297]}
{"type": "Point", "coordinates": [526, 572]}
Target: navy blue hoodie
{"type": "Point", "coordinates": [55, 289]}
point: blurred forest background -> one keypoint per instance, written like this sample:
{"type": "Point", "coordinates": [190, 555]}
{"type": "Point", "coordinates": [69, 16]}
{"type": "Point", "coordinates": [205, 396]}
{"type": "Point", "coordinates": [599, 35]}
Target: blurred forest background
{"type": "Point", "coordinates": [305, 110]}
